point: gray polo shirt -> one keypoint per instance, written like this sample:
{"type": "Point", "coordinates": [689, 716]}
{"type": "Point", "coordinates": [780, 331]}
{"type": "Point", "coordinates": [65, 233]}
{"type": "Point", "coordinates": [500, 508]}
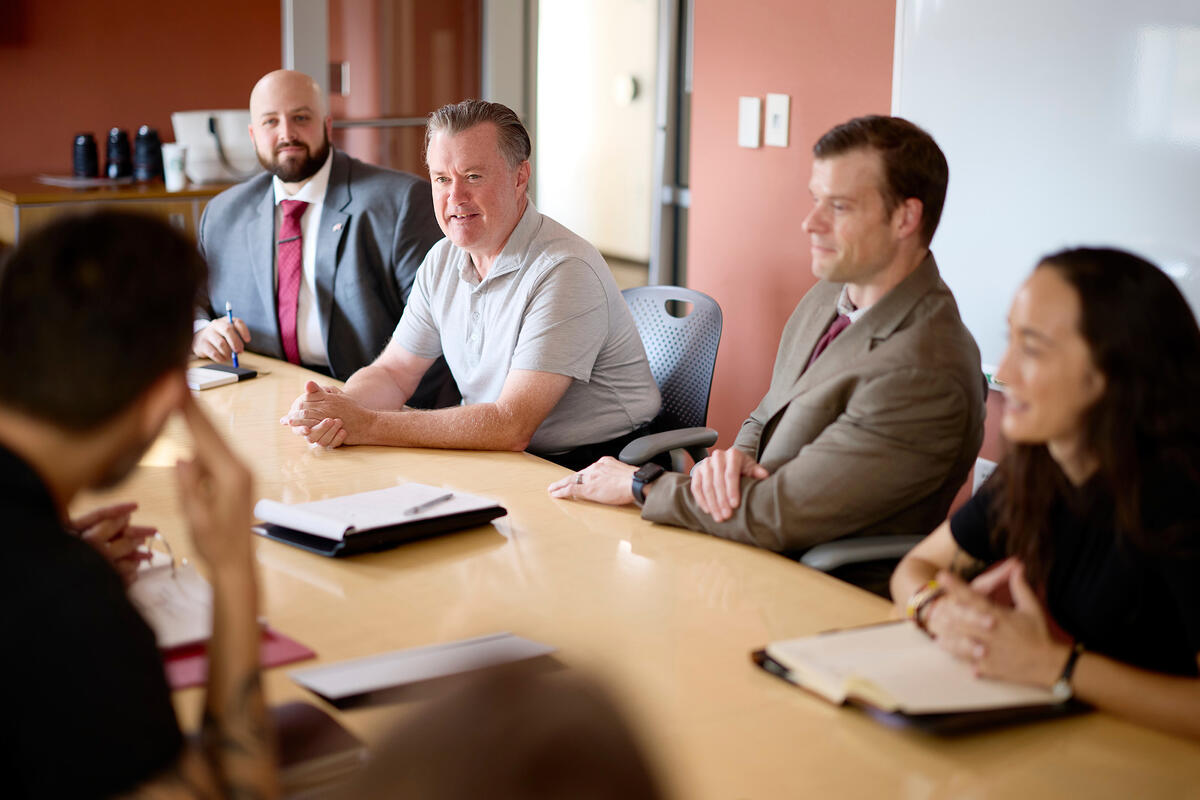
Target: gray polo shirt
{"type": "Point", "coordinates": [549, 304]}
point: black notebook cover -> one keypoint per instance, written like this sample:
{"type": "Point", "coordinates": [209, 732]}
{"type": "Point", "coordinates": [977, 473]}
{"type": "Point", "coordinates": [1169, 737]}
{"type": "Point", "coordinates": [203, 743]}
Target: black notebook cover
{"type": "Point", "coordinates": [380, 538]}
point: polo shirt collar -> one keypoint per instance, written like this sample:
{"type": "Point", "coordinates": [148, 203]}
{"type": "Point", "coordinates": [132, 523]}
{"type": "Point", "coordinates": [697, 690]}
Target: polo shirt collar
{"type": "Point", "coordinates": [513, 255]}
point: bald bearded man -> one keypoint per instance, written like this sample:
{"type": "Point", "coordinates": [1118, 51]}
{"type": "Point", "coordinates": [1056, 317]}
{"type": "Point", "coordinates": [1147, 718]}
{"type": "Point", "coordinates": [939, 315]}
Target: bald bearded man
{"type": "Point", "coordinates": [317, 255]}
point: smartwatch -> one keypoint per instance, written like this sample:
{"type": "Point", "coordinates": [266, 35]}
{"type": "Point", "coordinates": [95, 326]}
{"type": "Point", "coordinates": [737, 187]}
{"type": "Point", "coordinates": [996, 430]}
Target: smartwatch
{"type": "Point", "coordinates": [1062, 689]}
{"type": "Point", "coordinates": [646, 474]}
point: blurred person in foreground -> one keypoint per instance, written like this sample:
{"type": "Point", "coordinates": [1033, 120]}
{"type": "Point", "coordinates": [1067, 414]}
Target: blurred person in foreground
{"type": "Point", "coordinates": [101, 307]}
{"type": "Point", "coordinates": [508, 734]}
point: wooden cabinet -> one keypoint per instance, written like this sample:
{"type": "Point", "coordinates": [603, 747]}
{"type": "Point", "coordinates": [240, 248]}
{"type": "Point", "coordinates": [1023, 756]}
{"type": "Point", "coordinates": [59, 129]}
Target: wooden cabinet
{"type": "Point", "coordinates": [26, 204]}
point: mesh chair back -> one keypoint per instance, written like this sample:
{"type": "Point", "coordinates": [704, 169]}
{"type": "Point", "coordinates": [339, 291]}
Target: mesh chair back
{"type": "Point", "coordinates": [682, 350]}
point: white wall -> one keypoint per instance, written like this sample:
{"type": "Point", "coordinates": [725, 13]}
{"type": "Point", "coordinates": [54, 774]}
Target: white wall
{"type": "Point", "coordinates": [1065, 122]}
{"type": "Point", "coordinates": [593, 151]}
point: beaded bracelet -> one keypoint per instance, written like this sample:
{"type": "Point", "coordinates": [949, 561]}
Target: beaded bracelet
{"type": "Point", "coordinates": [921, 600]}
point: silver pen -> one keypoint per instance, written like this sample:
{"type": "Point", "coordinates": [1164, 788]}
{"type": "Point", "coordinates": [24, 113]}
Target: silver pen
{"type": "Point", "coordinates": [428, 504]}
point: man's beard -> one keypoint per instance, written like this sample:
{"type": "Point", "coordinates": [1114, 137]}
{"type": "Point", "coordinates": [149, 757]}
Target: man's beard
{"type": "Point", "coordinates": [294, 172]}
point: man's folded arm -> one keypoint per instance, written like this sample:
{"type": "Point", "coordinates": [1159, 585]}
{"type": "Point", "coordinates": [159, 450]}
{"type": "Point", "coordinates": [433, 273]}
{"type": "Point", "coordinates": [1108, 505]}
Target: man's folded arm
{"type": "Point", "coordinates": [750, 434]}
{"type": "Point", "coordinates": [508, 423]}
{"type": "Point", "coordinates": [895, 443]}
{"type": "Point", "coordinates": [388, 382]}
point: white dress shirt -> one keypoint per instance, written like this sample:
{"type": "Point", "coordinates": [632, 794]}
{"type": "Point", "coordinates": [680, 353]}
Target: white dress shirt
{"type": "Point", "coordinates": [308, 322]}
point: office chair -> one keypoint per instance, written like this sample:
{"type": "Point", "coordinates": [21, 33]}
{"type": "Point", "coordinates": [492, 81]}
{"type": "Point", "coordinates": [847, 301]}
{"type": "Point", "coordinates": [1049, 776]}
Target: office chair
{"type": "Point", "coordinates": [831, 555]}
{"type": "Point", "coordinates": [682, 352]}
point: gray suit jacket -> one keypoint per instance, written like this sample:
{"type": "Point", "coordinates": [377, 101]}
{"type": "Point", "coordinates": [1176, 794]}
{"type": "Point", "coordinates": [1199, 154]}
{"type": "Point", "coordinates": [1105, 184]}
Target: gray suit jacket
{"type": "Point", "coordinates": [376, 227]}
{"type": "Point", "coordinates": [876, 438]}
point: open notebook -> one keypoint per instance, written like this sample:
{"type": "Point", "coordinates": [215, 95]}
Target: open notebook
{"type": "Point", "coordinates": [896, 669]}
{"type": "Point", "coordinates": [176, 603]}
{"type": "Point", "coordinates": [376, 520]}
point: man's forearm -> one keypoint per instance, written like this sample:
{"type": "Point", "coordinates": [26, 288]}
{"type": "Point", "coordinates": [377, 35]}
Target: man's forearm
{"type": "Point", "coordinates": [480, 426]}
{"type": "Point", "coordinates": [749, 436]}
{"type": "Point", "coordinates": [235, 757]}
{"type": "Point", "coordinates": [376, 389]}
{"type": "Point", "coordinates": [237, 737]}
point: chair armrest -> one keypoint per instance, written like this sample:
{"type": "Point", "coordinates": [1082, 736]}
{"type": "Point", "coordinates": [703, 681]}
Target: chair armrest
{"type": "Point", "coordinates": [831, 555]}
{"type": "Point", "coordinates": [644, 448]}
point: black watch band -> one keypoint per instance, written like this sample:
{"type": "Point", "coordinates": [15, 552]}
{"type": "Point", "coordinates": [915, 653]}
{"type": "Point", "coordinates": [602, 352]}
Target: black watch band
{"type": "Point", "coordinates": [1062, 688]}
{"type": "Point", "coordinates": [647, 473]}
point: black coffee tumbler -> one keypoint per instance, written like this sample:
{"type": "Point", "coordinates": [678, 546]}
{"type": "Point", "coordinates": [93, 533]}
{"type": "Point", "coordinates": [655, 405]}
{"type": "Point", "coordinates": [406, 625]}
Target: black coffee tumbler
{"type": "Point", "coordinates": [119, 165]}
{"type": "Point", "coordinates": [85, 161]}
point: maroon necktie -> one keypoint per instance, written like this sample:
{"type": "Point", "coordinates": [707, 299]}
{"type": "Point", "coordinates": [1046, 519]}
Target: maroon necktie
{"type": "Point", "coordinates": [839, 324]}
{"type": "Point", "coordinates": [288, 260]}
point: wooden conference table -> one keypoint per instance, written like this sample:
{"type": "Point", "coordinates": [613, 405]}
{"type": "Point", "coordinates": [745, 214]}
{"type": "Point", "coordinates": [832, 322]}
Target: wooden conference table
{"type": "Point", "coordinates": [667, 617]}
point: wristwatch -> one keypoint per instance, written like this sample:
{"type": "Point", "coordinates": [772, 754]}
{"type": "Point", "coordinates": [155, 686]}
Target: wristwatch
{"type": "Point", "coordinates": [648, 473]}
{"type": "Point", "coordinates": [1061, 689]}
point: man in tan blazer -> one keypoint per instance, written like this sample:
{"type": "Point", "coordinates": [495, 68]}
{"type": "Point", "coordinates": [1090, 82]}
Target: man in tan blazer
{"type": "Point", "coordinates": [875, 410]}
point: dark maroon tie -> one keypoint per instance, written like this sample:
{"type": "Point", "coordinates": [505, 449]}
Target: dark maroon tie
{"type": "Point", "coordinates": [839, 324]}
{"type": "Point", "coordinates": [288, 259]}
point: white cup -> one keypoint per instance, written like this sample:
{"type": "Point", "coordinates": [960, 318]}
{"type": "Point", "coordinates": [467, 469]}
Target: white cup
{"type": "Point", "coordinates": [173, 158]}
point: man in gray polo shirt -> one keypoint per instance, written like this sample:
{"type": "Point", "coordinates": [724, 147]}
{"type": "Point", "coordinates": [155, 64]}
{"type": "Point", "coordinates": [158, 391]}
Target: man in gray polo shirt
{"type": "Point", "coordinates": [539, 339]}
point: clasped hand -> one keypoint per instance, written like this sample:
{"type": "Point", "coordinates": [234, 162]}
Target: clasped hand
{"type": "Point", "coordinates": [327, 416]}
{"type": "Point", "coordinates": [999, 625]}
{"type": "Point", "coordinates": [717, 481]}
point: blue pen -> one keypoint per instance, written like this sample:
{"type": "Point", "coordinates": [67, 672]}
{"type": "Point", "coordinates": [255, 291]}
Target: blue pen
{"type": "Point", "coordinates": [229, 313]}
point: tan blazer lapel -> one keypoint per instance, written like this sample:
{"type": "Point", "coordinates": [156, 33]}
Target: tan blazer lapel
{"type": "Point", "coordinates": [876, 325]}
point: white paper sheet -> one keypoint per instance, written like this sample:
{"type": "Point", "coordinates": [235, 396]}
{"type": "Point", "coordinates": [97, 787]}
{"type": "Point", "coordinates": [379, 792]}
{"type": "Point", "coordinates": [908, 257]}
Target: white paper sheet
{"type": "Point", "coordinates": [178, 608]}
{"type": "Point", "coordinates": [336, 517]}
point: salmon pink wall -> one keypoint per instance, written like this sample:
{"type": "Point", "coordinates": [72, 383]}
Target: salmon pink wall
{"type": "Point", "coordinates": [68, 66]}
{"type": "Point", "coordinates": [745, 244]}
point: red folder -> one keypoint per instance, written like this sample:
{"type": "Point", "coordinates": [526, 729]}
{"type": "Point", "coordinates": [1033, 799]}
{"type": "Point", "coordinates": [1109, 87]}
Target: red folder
{"type": "Point", "coordinates": [188, 665]}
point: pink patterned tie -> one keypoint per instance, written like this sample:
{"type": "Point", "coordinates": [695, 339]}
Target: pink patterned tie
{"type": "Point", "coordinates": [288, 262]}
{"type": "Point", "coordinates": [839, 324]}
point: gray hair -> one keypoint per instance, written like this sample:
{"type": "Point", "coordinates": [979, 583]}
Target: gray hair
{"type": "Point", "coordinates": [455, 118]}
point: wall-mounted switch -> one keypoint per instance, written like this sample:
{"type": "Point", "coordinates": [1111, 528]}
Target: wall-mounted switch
{"type": "Point", "coordinates": [749, 121]}
{"type": "Point", "coordinates": [778, 110]}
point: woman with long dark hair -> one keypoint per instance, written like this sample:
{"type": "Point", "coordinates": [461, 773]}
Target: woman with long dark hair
{"type": "Point", "coordinates": [1091, 524]}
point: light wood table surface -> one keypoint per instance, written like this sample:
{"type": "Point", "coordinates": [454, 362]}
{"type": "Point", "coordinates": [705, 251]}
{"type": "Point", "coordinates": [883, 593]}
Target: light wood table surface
{"type": "Point", "coordinates": [665, 616]}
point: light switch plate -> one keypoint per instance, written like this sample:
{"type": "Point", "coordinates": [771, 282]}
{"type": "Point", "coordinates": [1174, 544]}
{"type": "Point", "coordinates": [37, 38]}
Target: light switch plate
{"type": "Point", "coordinates": [778, 112]}
{"type": "Point", "coordinates": [749, 121]}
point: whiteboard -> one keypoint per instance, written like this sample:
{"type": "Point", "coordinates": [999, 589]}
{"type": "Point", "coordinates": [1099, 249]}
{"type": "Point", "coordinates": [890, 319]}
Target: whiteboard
{"type": "Point", "coordinates": [1065, 123]}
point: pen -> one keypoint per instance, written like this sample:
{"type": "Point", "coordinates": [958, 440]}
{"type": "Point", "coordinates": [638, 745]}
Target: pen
{"type": "Point", "coordinates": [229, 313]}
{"type": "Point", "coordinates": [428, 504]}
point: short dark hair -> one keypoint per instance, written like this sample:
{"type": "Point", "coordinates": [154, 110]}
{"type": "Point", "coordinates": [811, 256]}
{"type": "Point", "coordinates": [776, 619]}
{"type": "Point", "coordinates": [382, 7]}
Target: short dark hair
{"type": "Point", "coordinates": [913, 164]}
{"type": "Point", "coordinates": [93, 309]}
{"type": "Point", "coordinates": [511, 135]}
